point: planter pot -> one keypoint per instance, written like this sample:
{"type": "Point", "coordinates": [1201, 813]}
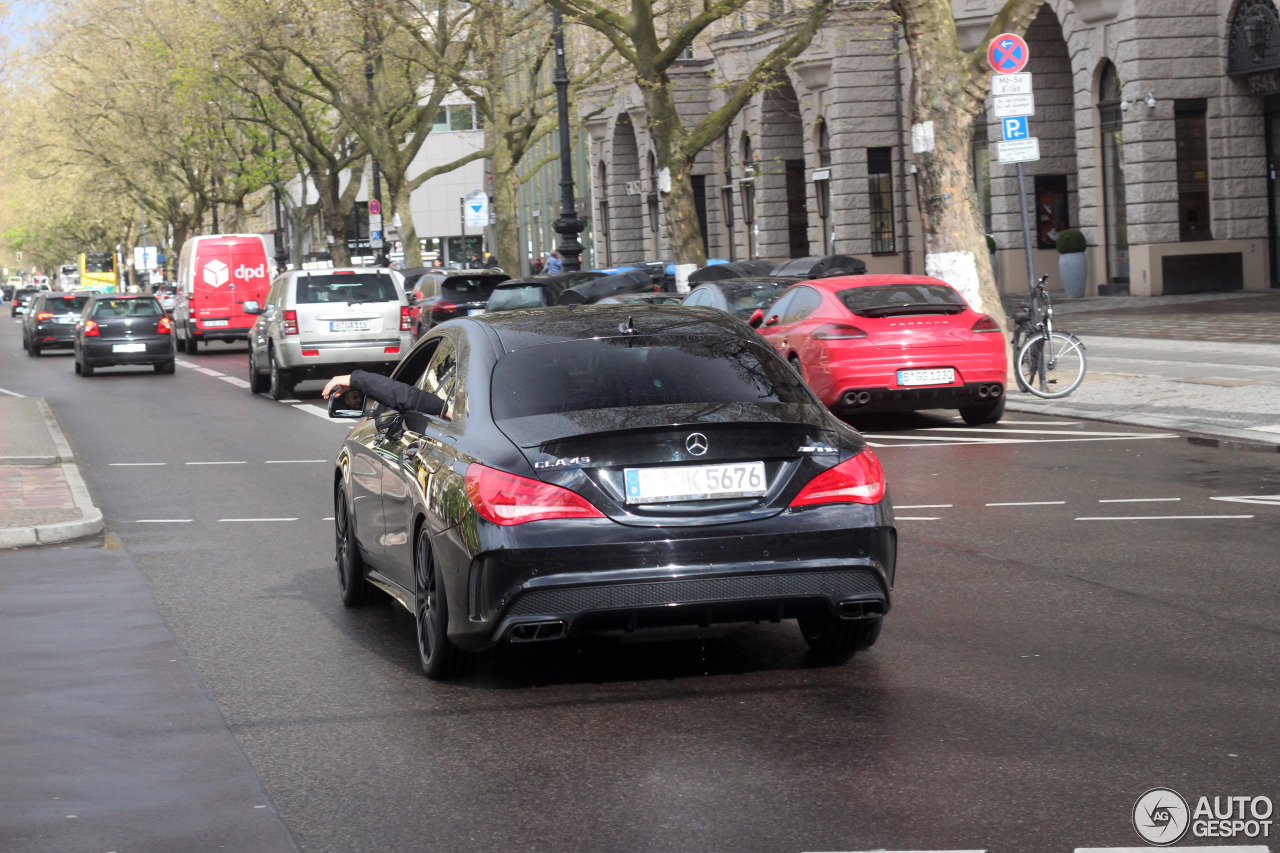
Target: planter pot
{"type": "Point", "coordinates": [1074, 271]}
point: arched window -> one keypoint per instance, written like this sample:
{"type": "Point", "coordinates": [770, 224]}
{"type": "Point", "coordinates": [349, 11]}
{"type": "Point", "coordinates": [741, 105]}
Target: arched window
{"type": "Point", "coordinates": [822, 186]}
{"type": "Point", "coordinates": [1115, 219]}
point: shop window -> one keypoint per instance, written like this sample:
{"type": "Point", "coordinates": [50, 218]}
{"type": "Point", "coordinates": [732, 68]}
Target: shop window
{"type": "Point", "coordinates": [1051, 210]}
{"type": "Point", "coordinates": [1191, 130]}
{"type": "Point", "coordinates": [880, 192]}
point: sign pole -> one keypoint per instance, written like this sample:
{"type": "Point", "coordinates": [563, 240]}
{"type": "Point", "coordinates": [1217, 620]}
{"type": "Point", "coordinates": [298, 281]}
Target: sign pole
{"type": "Point", "coordinates": [1026, 227]}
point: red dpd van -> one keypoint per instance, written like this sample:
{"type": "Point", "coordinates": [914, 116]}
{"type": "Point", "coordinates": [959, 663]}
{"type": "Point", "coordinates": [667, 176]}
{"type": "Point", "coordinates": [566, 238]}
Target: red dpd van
{"type": "Point", "coordinates": [216, 274]}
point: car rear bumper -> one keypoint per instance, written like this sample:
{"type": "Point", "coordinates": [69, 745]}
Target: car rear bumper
{"type": "Point", "coordinates": [542, 589]}
{"type": "Point", "coordinates": [333, 358]}
{"type": "Point", "coordinates": [220, 333]}
{"type": "Point", "coordinates": [54, 335]}
{"type": "Point", "coordinates": [869, 383]}
{"type": "Point", "coordinates": [102, 353]}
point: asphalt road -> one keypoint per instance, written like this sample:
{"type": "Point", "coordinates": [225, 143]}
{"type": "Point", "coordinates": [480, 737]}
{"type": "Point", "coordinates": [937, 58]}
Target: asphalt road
{"type": "Point", "coordinates": [1080, 616]}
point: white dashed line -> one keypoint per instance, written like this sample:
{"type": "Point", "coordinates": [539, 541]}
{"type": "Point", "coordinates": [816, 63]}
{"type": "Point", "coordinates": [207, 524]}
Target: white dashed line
{"type": "Point", "coordinates": [327, 518]}
{"type": "Point", "coordinates": [235, 380]}
{"type": "Point", "coordinates": [164, 521]}
{"type": "Point", "coordinates": [217, 463]}
{"type": "Point", "coordinates": [293, 461]}
{"type": "Point", "coordinates": [1155, 517]}
{"type": "Point", "coordinates": [916, 518]}
{"type": "Point", "coordinates": [11, 393]}
{"type": "Point", "coordinates": [1235, 848]}
{"type": "Point", "coordinates": [135, 464]}
{"type": "Point", "coordinates": [926, 506]}
{"type": "Point", "coordinates": [256, 519]}
{"type": "Point", "coordinates": [1031, 503]}
{"type": "Point", "coordinates": [207, 372]}
{"type": "Point", "coordinates": [320, 413]}
{"type": "Point", "coordinates": [290, 402]}
{"type": "Point", "coordinates": [1136, 500]}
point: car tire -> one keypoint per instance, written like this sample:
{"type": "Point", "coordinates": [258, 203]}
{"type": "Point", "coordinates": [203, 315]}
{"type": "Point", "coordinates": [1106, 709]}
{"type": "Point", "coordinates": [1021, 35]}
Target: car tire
{"type": "Point", "coordinates": [281, 383]}
{"type": "Point", "coordinates": [351, 581]}
{"type": "Point", "coordinates": [33, 349]}
{"type": "Point", "coordinates": [26, 345]}
{"type": "Point", "coordinates": [837, 639]}
{"type": "Point", "coordinates": [258, 383]}
{"type": "Point", "coordinates": [76, 365]}
{"type": "Point", "coordinates": [794, 361]}
{"type": "Point", "coordinates": [86, 369]}
{"type": "Point", "coordinates": [988, 413]}
{"type": "Point", "coordinates": [193, 344]}
{"type": "Point", "coordinates": [439, 657]}
{"type": "Point", "coordinates": [165, 367]}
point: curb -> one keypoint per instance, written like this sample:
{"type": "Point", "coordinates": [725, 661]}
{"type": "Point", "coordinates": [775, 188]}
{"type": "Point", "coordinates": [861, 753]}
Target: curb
{"type": "Point", "coordinates": [1214, 431]}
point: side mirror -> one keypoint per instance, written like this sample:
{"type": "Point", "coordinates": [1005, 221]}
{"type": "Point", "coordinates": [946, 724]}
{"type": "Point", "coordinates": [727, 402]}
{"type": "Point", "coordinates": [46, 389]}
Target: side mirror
{"type": "Point", "coordinates": [772, 321]}
{"type": "Point", "coordinates": [757, 318]}
{"type": "Point", "coordinates": [251, 306]}
{"type": "Point", "coordinates": [348, 405]}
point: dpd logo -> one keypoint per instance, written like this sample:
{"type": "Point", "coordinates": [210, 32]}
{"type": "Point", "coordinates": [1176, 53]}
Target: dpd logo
{"type": "Point", "coordinates": [1161, 817]}
{"type": "Point", "coordinates": [215, 273]}
{"type": "Point", "coordinates": [245, 273]}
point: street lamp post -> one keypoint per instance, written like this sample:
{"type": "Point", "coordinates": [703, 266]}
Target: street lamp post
{"type": "Point", "coordinates": [282, 254]}
{"type": "Point", "coordinates": [568, 226]}
{"type": "Point", "coordinates": [380, 259]}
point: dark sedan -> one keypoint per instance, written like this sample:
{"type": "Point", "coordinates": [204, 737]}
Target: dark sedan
{"type": "Point", "coordinates": [21, 298]}
{"type": "Point", "coordinates": [123, 329]}
{"type": "Point", "coordinates": [739, 297]}
{"type": "Point", "coordinates": [50, 322]}
{"type": "Point", "coordinates": [441, 295]}
{"type": "Point", "coordinates": [537, 291]}
{"type": "Point", "coordinates": [601, 468]}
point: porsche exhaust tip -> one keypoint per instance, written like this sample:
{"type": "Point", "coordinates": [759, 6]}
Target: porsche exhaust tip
{"type": "Point", "coordinates": [856, 398]}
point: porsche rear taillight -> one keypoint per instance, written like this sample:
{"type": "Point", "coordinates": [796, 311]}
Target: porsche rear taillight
{"type": "Point", "coordinates": [90, 329]}
{"type": "Point", "coordinates": [508, 499]}
{"type": "Point", "coordinates": [404, 319]}
{"type": "Point", "coordinates": [860, 480]}
{"type": "Point", "coordinates": [838, 332]}
{"type": "Point", "coordinates": [165, 326]}
{"type": "Point", "coordinates": [291, 322]}
{"type": "Point", "coordinates": [986, 323]}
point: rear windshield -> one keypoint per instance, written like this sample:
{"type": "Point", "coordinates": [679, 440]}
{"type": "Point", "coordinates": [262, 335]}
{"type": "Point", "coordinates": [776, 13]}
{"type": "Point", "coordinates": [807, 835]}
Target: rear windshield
{"type": "Point", "coordinates": [520, 296]}
{"type": "Point", "coordinates": [898, 297]}
{"type": "Point", "coordinates": [346, 287]}
{"type": "Point", "coordinates": [469, 288]}
{"type": "Point", "coordinates": [758, 296]}
{"type": "Point", "coordinates": [65, 303]}
{"type": "Point", "coordinates": [127, 308]}
{"type": "Point", "coordinates": [628, 372]}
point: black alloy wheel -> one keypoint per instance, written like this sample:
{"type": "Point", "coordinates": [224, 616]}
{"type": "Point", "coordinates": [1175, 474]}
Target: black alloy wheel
{"type": "Point", "coordinates": [836, 639]}
{"type": "Point", "coordinates": [439, 657]}
{"type": "Point", "coordinates": [258, 383]}
{"type": "Point", "coordinates": [281, 385]}
{"type": "Point", "coordinates": [351, 582]}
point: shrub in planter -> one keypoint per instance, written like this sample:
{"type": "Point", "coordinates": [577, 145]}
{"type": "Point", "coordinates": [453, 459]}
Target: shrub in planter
{"type": "Point", "coordinates": [1072, 263]}
{"type": "Point", "coordinates": [1071, 241]}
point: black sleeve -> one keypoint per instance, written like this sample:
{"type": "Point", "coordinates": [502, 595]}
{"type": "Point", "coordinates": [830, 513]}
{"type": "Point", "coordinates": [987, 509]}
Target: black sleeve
{"type": "Point", "coordinates": [398, 395]}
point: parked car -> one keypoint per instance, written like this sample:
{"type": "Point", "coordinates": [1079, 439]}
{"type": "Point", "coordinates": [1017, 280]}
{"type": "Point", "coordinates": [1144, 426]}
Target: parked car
{"type": "Point", "coordinates": [50, 321]}
{"type": "Point", "coordinates": [630, 281]}
{"type": "Point", "coordinates": [443, 294]}
{"type": "Point", "coordinates": [642, 299]}
{"type": "Point", "coordinates": [123, 329]}
{"type": "Point", "coordinates": [217, 275]}
{"type": "Point", "coordinates": [611, 467]}
{"type": "Point", "coordinates": [731, 269]}
{"type": "Point", "coordinates": [321, 323]}
{"type": "Point", "coordinates": [167, 294]}
{"type": "Point", "coordinates": [877, 343]}
{"type": "Point", "coordinates": [740, 297]}
{"type": "Point", "coordinates": [20, 298]}
{"type": "Point", "coordinates": [538, 291]}
{"type": "Point", "coordinates": [822, 267]}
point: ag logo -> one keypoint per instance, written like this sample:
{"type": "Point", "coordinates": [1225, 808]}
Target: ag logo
{"type": "Point", "coordinates": [216, 273]}
{"type": "Point", "coordinates": [1161, 817]}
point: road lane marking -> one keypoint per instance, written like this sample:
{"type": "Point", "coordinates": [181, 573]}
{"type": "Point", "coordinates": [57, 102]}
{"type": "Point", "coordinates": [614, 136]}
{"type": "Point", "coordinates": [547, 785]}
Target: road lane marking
{"type": "Point", "coordinates": [1136, 500]}
{"type": "Point", "coordinates": [217, 463]}
{"type": "Point", "coordinates": [971, 441]}
{"type": "Point", "coordinates": [949, 438]}
{"type": "Point", "coordinates": [926, 506]}
{"type": "Point", "coordinates": [916, 518]}
{"type": "Point", "coordinates": [11, 393]}
{"type": "Point", "coordinates": [164, 521]}
{"type": "Point", "coordinates": [1154, 517]}
{"type": "Point", "coordinates": [327, 518]}
{"type": "Point", "coordinates": [135, 464]}
{"type": "Point", "coordinates": [292, 461]}
{"type": "Point", "coordinates": [1266, 500]}
{"type": "Point", "coordinates": [320, 413]}
{"type": "Point", "coordinates": [1234, 848]}
{"type": "Point", "coordinates": [207, 372]}
{"type": "Point", "coordinates": [289, 402]}
{"type": "Point", "coordinates": [1004, 421]}
{"type": "Point", "coordinates": [235, 380]}
{"type": "Point", "coordinates": [1026, 431]}
{"type": "Point", "coordinates": [256, 519]}
{"type": "Point", "coordinates": [1031, 503]}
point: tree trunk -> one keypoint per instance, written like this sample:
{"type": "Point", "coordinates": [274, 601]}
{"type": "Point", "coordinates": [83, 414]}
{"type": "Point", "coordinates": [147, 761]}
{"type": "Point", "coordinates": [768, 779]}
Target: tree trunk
{"type": "Point", "coordinates": [506, 187]}
{"type": "Point", "coordinates": [682, 216]}
{"type": "Point", "coordinates": [331, 213]}
{"type": "Point", "coordinates": [401, 205]}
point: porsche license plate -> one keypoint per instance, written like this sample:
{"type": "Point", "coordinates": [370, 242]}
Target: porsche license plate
{"type": "Point", "coordinates": [937, 376]}
{"type": "Point", "coordinates": [695, 482]}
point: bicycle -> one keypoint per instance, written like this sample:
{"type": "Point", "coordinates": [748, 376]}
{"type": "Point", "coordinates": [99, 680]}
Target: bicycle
{"type": "Point", "coordinates": [1048, 363]}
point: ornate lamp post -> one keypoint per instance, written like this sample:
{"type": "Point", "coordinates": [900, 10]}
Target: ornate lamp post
{"type": "Point", "coordinates": [375, 198]}
{"type": "Point", "coordinates": [568, 226]}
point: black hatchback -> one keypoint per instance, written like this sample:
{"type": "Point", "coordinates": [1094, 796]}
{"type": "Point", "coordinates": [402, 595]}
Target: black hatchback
{"type": "Point", "coordinates": [601, 468]}
{"type": "Point", "coordinates": [50, 321]}
{"type": "Point", "coordinates": [123, 329]}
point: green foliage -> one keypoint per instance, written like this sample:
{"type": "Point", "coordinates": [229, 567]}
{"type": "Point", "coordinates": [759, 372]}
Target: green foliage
{"type": "Point", "coordinates": [1071, 242]}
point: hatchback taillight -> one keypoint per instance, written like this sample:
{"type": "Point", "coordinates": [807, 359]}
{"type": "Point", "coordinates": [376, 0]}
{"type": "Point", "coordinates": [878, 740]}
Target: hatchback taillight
{"type": "Point", "coordinates": [291, 322]}
{"type": "Point", "coordinates": [404, 319]}
{"type": "Point", "coordinates": [837, 332]}
{"type": "Point", "coordinates": [443, 308]}
{"type": "Point", "coordinates": [90, 329]}
{"type": "Point", "coordinates": [860, 480]}
{"type": "Point", "coordinates": [44, 315]}
{"type": "Point", "coordinates": [986, 323]}
{"type": "Point", "coordinates": [165, 326]}
{"type": "Point", "coordinates": [507, 499]}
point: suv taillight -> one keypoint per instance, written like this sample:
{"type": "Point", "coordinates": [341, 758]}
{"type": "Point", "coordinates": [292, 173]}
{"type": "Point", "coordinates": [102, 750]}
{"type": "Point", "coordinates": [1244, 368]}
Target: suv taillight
{"type": "Point", "coordinates": [90, 329]}
{"type": "Point", "coordinates": [44, 315]}
{"type": "Point", "coordinates": [404, 319]}
{"type": "Point", "coordinates": [165, 326]}
{"type": "Point", "coordinates": [507, 499]}
{"type": "Point", "coordinates": [291, 322]}
{"type": "Point", "coordinates": [986, 323]}
{"type": "Point", "coordinates": [860, 480]}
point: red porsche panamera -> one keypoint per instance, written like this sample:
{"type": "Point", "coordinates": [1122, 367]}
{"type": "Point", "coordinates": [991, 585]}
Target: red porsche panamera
{"type": "Point", "coordinates": [890, 343]}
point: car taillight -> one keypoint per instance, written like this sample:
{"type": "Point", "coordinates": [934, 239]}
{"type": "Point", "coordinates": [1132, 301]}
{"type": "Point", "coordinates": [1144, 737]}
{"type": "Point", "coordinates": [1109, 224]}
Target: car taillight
{"type": "Point", "coordinates": [291, 322]}
{"type": "Point", "coordinates": [310, 353]}
{"type": "Point", "coordinates": [44, 315]}
{"type": "Point", "coordinates": [507, 499]}
{"type": "Point", "coordinates": [165, 326]}
{"type": "Point", "coordinates": [837, 332]}
{"type": "Point", "coordinates": [986, 323]}
{"type": "Point", "coordinates": [859, 480]}
{"type": "Point", "coordinates": [90, 329]}
{"type": "Point", "coordinates": [443, 308]}
{"type": "Point", "coordinates": [404, 319]}
{"type": "Point", "coordinates": [390, 350]}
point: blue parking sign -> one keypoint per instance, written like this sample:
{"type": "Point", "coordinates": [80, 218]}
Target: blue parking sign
{"type": "Point", "coordinates": [1015, 127]}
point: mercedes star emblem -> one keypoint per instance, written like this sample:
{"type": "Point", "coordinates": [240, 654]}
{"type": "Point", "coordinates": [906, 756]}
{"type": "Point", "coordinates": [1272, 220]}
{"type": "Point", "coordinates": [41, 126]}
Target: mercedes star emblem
{"type": "Point", "coordinates": [696, 444]}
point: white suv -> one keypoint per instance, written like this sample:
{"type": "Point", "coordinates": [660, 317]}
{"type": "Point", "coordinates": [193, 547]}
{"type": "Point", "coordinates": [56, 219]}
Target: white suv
{"type": "Point", "coordinates": [322, 323]}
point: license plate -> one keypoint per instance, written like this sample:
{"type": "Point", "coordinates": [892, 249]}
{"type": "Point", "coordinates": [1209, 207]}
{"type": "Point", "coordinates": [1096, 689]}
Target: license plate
{"type": "Point", "coordinates": [349, 326]}
{"type": "Point", "coordinates": [209, 324]}
{"type": "Point", "coordinates": [937, 376]}
{"type": "Point", "coordinates": [66, 321]}
{"type": "Point", "coordinates": [695, 482]}
{"type": "Point", "coordinates": [129, 348]}
{"type": "Point", "coordinates": [474, 311]}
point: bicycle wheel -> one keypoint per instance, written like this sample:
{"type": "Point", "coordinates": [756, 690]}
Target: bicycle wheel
{"type": "Point", "coordinates": [1053, 370]}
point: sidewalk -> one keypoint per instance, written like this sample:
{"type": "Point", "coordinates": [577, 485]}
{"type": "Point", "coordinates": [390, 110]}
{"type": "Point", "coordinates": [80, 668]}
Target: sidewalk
{"type": "Point", "coordinates": [42, 496]}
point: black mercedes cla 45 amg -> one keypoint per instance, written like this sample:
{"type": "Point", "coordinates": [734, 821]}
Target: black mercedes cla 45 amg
{"type": "Point", "coordinates": [602, 468]}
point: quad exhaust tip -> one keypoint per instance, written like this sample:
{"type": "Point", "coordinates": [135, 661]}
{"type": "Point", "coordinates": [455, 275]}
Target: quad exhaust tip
{"type": "Point", "coordinates": [533, 632]}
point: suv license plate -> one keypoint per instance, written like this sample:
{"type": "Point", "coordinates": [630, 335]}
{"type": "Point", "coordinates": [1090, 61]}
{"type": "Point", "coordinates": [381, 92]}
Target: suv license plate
{"type": "Point", "coordinates": [938, 376]}
{"type": "Point", "coordinates": [349, 326]}
{"type": "Point", "coordinates": [695, 482]}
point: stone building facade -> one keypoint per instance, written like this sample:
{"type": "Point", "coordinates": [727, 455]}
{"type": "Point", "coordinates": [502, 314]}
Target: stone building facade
{"type": "Point", "coordinates": [1158, 123]}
